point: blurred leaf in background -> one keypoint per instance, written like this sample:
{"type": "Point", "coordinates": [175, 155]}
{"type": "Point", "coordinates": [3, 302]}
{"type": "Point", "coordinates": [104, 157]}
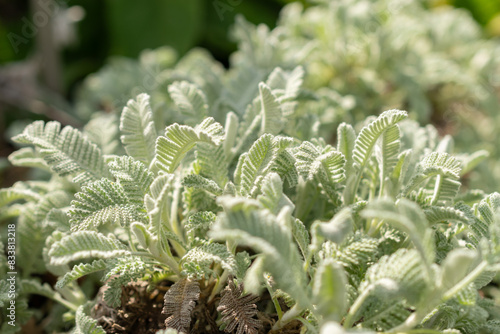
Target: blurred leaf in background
{"type": "Point", "coordinates": [486, 12]}
{"type": "Point", "coordinates": [134, 26]}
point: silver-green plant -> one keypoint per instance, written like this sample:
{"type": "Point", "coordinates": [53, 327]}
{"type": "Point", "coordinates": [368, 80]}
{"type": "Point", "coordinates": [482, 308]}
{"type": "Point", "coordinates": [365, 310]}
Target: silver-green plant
{"type": "Point", "coordinates": [369, 234]}
{"type": "Point", "coordinates": [361, 57]}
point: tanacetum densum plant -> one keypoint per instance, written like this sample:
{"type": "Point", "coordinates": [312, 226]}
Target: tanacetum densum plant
{"type": "Point", "coordinates": [371, 234]}
{"type": "Point", "coordinates": [360, 57]}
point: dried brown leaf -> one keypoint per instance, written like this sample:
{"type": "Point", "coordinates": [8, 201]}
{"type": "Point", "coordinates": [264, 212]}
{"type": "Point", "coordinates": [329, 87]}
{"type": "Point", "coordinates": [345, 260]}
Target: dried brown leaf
{"type": "Point", "coordinates": [179, 303]}
{"type": "Point", "coordinates": [238, 310]}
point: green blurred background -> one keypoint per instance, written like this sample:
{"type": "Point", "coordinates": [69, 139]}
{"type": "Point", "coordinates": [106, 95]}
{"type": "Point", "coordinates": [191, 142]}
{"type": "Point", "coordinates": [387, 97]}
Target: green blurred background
{"type": "Point", "coordinates": [101, 29]}
{"type": "Point", "coordinates": [98, 29]}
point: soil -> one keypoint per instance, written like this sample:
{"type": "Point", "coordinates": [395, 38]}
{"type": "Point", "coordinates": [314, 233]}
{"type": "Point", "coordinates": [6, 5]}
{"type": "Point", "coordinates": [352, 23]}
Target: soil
{"type": "Point", "coordinates": [140, 312]}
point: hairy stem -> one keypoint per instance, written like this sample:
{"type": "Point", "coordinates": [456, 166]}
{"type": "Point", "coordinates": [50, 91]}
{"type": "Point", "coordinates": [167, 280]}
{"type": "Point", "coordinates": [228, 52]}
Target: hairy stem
{"type": "Point", "coordinates": [288, 316]}
{"type": "Point", "coordinates": [218, 285]}
{"type": "Point", "coordinates": [415, 318]}
{"type": "Point", "coordinates": [64, 302]}
{"type": "Point", "coordinates": [174, 221]}
{"type": "Point", "coordinates": [255, 123]}
{"type": "Point", "coordinates": [162, 258]}
{"type": "Point", "coordinates": [307, 324]}
{"type": "Point", "coordinates": [304, 202]}
{"type": "Point", "coordinates": [73, 295]}
{"type": "Point", "coordinates": [352, 185]}
{"type": "Point", "coordinates": [437, 190]}
{"type": "Point", "coordinates": [466, 280]}
{"type": "Point", "coordinates": [275, 301]}
{"type": "Point", "coordinates": [356, 307]}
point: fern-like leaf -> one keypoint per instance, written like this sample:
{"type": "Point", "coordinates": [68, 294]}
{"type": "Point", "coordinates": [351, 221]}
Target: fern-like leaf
{"type": "Point", "coordinates": [180, 139]}
{"type": "Point", "coordinates": [81, 270]}
{"type": "Point", "coordinates": [383, 316]}
{"type": "Point", "coordinates": [85, 244]}
{"type": "Point", "coordinates": [133, 176]}
{"type": "Point", "coordinates": [404, 267]}
{"type": "Point", "coordinates": [245, 223]}
{"type": "Point", "coordinates": [301, 236]}
{"type": "Point", "coordinates": [444, 171]}
{"type": "Point", "coordinates": [67, 151]}
{"type": "Point", "coordinates": [488, 207]}
{"type": "Point", "coordinates": [138, 129]}
{"type": "Point", "coordinates": [272, 196]}
{"type": "Point", "coordinates": [439, 214]}
{"type": "Point", "coordinates": [388, 153]}
{"type": "Point", "coordinates": [85, 324]}
{"type": "Point", "coordinates": [15, 193]}
{"type": "Point", "coordinates": [212, 163]}
{"type": "Point", "coordinates": [123, 271]}
{"type": "Point", "coordinates": [52, 200]}
{"type": "Point", "coordinates": [364, 145]}
{"type": "Point", "coordinates": [179, 303]}
{"type": "Point", "coordinates": [286, 85]}
{"type": "Point", "coordinates": [491, 327]}
{"type": "Point", "coordinates": [346, 137]}
{"type": "Point", "coordinates": [30, 237]}
{"type": "Point", "coordinates": [159, 205]}
{"type": "Point", "coordinates": [28, 157]}
{"type": "Point", "coordinates": [190, 101]}
{"type": "Point", "coordinates": [272, 115]}
{"type": "Point", "coordinates": [198, 260]}
{"type": "Point", "coordinates": [355, 256]}
{"type": "Point", "coordinates": [198, 181]}
{"type": "Point", "coordinates": [102, 202]}
{"type": "Point", "coordinates": [198, 224]}
{"type": "Point", "coordinates": [368, 136]}
{"type": "Point", "coordinates": [238, 310]}
{"type": "Point", "coordinates": [478, 227]}
{"type": "Point", "coordinates": [284, 165]}
{"type": "Point", "coordinates": [327, 165]}
{"type": "Point", "coordinates": [252, 167]}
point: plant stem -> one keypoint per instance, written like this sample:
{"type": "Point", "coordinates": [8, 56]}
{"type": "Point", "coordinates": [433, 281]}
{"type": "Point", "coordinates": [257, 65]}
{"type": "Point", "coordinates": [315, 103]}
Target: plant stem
{"type": "Point", "coordinates": [415, 318]}
{"type": "Point", "coordinates": [304, 201]}
{"type": "Point", "coordinates": [289, 315]}
{"type": "Point", "coordinates": [164, 259]}
{"type": "Point", "coordinates": [437, 190]}
{"type": "Point", "coordinates": [275, 301]}
{"type": "Point", "coordinates": [382, 185]}
{"type": "Point", "coordinates": [466, 280]}
{"type": "Point", "coordinates": [64, 302]}
{"type": "Point", "coordinates": [256, 122]}
{"type": "Point", "coordinates": [218, 285]}
{"type": "Point", "coordinates": [351, 316]}
{"type": "Point", "coordinates": [74, 296]}
{"type": "Point", "coordinates": [310, 255]}
{"type": "Point", "coordinates": [130, 243]}
{"type": "Point", "coordinates": [174, 221]}
{"type": "Point", "coordinates": [310, 328]}
{"type": "Point", "coordinates": [352, 188]}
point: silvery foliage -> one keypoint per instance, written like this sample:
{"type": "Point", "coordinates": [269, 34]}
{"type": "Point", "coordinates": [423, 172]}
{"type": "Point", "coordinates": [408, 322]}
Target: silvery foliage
{"type": "Point", "coordinates": [360, 57]}
{"type": "Point", "coordinates": [371, 233]}
{"type": "Point", "coordinates": [363, 228]}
